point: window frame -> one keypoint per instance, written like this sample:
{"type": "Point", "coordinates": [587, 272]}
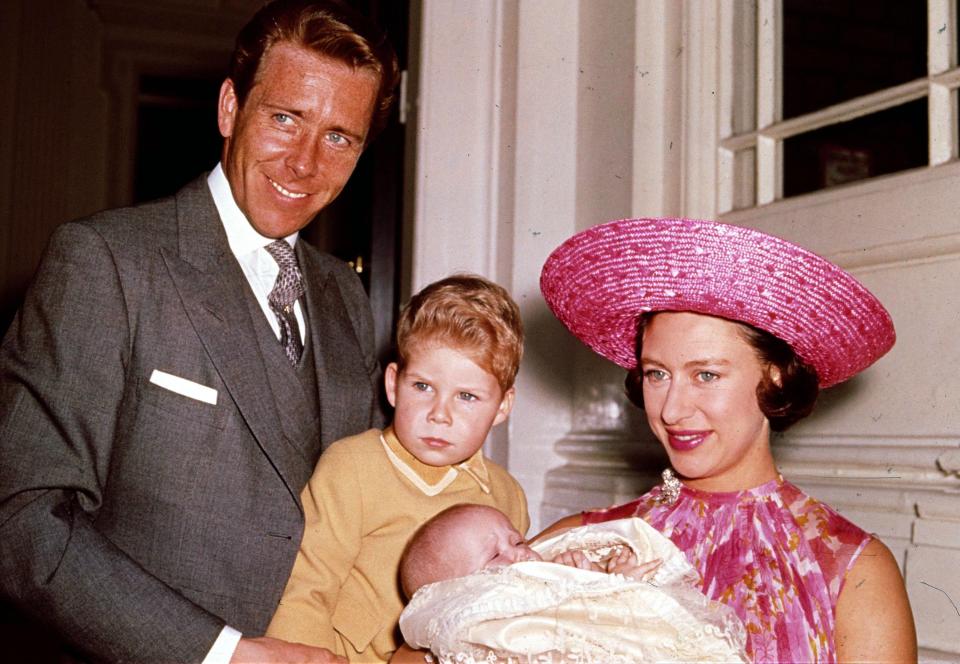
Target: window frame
{"type": "Point", "coordinates": [750, 159]}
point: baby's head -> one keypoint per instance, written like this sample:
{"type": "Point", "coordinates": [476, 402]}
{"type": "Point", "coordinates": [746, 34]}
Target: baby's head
{"type": "Point", "coordinates": [459, 344]}
{"type": "Point", "coordinates": [461, 540]}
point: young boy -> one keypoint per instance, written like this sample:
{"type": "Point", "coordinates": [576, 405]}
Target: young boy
{"type": "Point", "coordinates": [470, 604]}
{"type": "Point", "coordinates": [459, 344]}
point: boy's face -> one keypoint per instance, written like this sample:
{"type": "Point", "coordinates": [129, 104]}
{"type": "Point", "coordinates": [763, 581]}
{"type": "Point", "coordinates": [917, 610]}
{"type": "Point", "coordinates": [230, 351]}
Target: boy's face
{"type": "Point", "coordinates": [445, 404]}
{"type": "Point", "coordinates": [486, 538]}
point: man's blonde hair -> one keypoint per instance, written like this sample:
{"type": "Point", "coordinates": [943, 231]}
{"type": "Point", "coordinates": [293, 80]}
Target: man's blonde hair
{"type": "Point", "coordinates": [469, 313]}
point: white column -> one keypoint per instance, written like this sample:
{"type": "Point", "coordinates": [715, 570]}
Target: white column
{"type": "Point", "coordinates": [458, 129]}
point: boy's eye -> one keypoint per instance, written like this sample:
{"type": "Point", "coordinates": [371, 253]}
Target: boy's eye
{"type": "Point", "coordinates": [466, 396]}
{"type": "Point", "coordinates": [282, 118]}
{"type": "Point", "coordinates": [707, 376]}
{"type": "Point", "coordinates": [422, 387]}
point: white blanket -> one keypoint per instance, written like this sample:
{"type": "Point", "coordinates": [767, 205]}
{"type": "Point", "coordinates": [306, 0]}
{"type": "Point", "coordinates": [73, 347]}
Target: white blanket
{"type": "Point", "coordinates": [546, 613]}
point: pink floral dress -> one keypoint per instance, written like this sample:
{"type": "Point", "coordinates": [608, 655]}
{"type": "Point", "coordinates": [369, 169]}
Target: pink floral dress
{"type": "Point", "coordinates": [773, 553]}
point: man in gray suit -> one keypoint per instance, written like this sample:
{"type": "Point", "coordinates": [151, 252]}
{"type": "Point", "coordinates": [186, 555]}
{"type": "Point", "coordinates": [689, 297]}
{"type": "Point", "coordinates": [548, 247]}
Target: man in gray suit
{"type": "Point", "coordinates": [159, 411]}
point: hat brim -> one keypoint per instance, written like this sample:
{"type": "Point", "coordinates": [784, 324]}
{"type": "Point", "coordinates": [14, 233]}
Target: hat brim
{"type": "Point", "coordinates": [601, 280]}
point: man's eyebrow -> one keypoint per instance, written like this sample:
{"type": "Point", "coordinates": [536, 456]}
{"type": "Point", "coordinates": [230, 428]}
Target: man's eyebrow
{"type": "Point", "coordinates": [280, 108]}
{"type": "Point", "coordinates": [349, 133]}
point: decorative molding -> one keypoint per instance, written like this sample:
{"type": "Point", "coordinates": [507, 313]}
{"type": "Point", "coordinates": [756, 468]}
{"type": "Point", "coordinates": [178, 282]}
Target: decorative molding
{"type": "Point", "coordinates": [920, 251]}
{"type": "Point", "coordinates": [897, 475]}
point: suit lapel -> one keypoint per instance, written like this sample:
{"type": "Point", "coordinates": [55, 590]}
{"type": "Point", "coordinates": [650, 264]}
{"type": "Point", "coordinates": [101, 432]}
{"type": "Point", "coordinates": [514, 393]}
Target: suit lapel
{"type": "Point", "coordinates": [213, 290]}
{"type": "Point", "coordinates": [337, 355]}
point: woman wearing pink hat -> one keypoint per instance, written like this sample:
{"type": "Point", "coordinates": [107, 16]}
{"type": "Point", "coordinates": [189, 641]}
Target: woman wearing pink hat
{"type": "Point", "coordinates": [727, 334]}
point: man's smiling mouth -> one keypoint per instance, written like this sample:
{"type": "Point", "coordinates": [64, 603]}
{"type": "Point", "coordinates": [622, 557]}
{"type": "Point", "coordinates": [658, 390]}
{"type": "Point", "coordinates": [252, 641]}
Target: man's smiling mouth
{"type": "Point", "coordinates": [286, 192]}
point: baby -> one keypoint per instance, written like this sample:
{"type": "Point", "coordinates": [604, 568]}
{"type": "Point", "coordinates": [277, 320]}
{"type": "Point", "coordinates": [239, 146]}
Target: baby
{"type": "Point", "coordinates": [467, 538]}
{"type": "Point", "coordinates": [624, 593]}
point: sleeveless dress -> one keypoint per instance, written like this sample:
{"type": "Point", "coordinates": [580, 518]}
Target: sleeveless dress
{"type": "Point", "coordinates": [775, 555]}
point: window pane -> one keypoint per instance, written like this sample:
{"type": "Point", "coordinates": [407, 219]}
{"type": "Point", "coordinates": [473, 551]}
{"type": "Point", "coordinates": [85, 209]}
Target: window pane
{"type": "Point", "coordinates": [744, 45]}
{"type": "Point", "coordinates": [835, 50]}
{"type": "Point", "coordinates": [744, 177]}
{"type": "Point", "coordinates": [885, 142]}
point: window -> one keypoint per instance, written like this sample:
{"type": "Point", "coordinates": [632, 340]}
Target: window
{"type": "Point", "coordinates": [824, 93]}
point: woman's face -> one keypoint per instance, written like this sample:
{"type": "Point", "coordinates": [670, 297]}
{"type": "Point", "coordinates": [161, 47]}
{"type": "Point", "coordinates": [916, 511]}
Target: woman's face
{"type": "Point", "coordinates": [700, 380]}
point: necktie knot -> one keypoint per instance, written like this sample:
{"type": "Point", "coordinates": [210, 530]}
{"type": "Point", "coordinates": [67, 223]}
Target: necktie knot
{"type": "Point", "coordinates": [287, 289]}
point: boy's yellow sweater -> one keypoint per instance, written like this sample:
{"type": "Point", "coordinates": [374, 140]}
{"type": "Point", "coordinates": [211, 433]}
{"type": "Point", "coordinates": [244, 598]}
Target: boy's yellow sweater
{"type": "Point", "coordinates": [366, 498]}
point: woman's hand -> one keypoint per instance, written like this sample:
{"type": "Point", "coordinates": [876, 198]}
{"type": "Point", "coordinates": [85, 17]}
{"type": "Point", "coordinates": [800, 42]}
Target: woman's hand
{"type": "Point", "coordinates": [566, 523]}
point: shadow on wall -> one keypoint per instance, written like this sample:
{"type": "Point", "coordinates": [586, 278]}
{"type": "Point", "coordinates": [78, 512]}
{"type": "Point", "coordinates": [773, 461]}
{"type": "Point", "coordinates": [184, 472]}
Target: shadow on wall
{"type": "Point", "coordinates": [550, 360]}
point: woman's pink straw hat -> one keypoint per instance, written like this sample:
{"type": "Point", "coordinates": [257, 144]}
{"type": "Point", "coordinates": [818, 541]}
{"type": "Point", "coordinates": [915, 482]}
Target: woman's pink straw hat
{"type": "Point", "coordinates": [599, 281]}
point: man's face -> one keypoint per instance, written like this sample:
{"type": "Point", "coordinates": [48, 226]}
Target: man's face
{"type": "Point", "coordinates": [290, 149]}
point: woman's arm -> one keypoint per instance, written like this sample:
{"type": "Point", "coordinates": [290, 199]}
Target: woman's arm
{"type": "Point", "coordinates": [566, 523]}
{"type": "Point", "coordinates": [874, 621]}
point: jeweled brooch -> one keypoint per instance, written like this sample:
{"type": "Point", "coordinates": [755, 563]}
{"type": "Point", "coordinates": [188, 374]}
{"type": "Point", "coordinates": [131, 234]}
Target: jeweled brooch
{"type": "Point", "coordinates": [670, 490]}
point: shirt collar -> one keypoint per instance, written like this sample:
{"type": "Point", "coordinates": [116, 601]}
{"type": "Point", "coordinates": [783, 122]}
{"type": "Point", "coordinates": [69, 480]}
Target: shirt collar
{"type": "Point", "coordinates": [241, 236]}
{"type": "Point", "coordinates": [431, 480]}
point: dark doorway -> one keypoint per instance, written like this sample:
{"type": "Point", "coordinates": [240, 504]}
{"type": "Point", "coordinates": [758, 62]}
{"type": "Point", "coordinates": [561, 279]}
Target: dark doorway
{"type": "Point", "coordinates": [177, 135]}
{"type": "Point", "coordinates": [363, 226]}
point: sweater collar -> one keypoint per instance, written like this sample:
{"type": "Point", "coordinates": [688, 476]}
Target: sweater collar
{"type": "Point", "coordinates": [431, 480]}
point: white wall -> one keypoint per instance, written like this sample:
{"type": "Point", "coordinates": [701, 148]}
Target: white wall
{"type": "Point", "coordinates": [538, 118]}
{"type": "Point", "coordinates": [535, 120]}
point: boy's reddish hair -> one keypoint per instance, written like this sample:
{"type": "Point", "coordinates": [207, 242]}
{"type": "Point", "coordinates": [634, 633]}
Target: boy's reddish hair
{"type": "Point", "coordinates": [473, 315]}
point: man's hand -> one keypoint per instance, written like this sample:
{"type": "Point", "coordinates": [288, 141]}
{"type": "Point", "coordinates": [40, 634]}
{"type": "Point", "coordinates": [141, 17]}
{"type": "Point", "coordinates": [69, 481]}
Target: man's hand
{"type": "Point", "coordinates": [266, 650]}
{"type": "Point", "coordinates": [407, 655]}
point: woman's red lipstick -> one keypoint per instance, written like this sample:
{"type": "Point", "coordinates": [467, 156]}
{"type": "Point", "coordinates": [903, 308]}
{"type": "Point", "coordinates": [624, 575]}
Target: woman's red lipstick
{"type": "Point", "coordinates": [684, 441]}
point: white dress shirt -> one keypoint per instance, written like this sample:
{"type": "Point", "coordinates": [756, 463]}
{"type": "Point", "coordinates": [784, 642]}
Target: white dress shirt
{"type": "Point", "coordinates": [261, 271]}
{"type": "Point", "coordinates": [248, 245]}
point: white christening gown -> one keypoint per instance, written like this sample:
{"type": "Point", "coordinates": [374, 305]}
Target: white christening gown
{"type": "Point", "coordinates": [547, 613]}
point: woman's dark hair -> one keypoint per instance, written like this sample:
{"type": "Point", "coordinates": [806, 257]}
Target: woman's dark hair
{"type": "Point", "coordinates": [329, 28]}
{"type": "Point", "coordinates": [783, 404]}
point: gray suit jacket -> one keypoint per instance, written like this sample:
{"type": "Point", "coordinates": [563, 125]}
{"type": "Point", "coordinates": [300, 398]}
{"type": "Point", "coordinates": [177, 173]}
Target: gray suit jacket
{"type": "Point", "coordinates": [135, 520]}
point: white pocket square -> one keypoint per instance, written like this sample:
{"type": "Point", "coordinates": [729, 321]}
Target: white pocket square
{"type": "Point", "coordinates": [184, 387]}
